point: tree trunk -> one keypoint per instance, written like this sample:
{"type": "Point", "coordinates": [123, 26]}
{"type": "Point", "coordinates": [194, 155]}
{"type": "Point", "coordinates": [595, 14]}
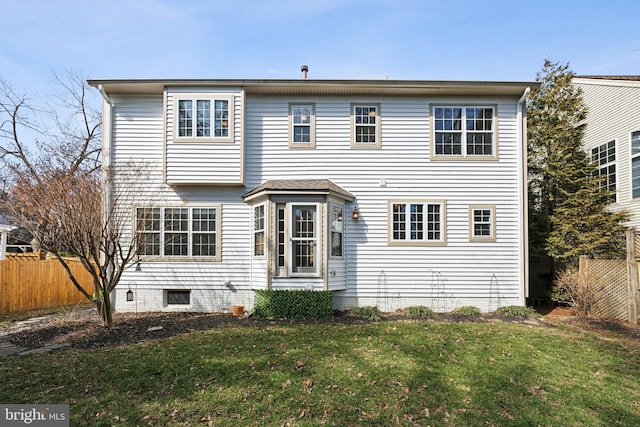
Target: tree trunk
{"type": "Point", "coordinates": [106, 312]}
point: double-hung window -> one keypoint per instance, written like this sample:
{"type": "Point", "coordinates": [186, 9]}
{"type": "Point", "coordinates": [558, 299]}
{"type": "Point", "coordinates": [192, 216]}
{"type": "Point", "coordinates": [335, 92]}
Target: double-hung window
{"type": "Point", "coordinates": [258, 230]}
{"type": "Point", "coordinates": [204, 118]}
{"type": "Point", "coordinates": [604, 158]}
{"type": "Point", "coordinates": [635, 164]}
{"type": "Point", "coordinates": [464, 132]}
{"type": "Point", "coordinates": [482, 223]}
{"type": "Point", "coordinates": [302, 125]}
{"type": "Point", "coordinates": [365, 125]}
{"type": "Point", "coordinates": [178, 232]}
{"type": "Point", "coordinates": [417, 222]}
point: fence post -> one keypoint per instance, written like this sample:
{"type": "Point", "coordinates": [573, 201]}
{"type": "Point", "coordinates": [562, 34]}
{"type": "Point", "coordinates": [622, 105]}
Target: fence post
{"type": "Point", "coordinates": [583, 265]}
{"type": "Point", "coordinates": [632, 277]}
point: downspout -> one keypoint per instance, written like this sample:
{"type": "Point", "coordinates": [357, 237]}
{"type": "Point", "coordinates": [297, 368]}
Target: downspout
{"type": "Point", "coordinates": [107, 174]}
{"type": "Point", "coordinates": [522, 123]}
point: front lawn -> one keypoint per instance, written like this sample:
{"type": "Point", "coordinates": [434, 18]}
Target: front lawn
{"type": "Point", "coordinates": [386, 373]}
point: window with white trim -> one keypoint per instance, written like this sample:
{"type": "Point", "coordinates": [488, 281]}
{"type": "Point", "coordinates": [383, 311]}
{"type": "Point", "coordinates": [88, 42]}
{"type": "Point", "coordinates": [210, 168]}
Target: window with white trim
{"type": "Point", "coordinates": [417, 222]}
{"type": "Point", "coordinates": [463, 131]}
{"type": "Point", "coordinates": [482, 225]}
{"type": "Point", "coordinates": [302, 125]}
{"type": "Point", "coordinates": [203, 118]}
{"type": "Point", "coordinates": [365, 125]}
{"type": "Point", "coordinates": [604, 158]}
{"type": "Point", "coordinates": [635, 164]}
{"type": "Point", "coordinates": [178, 232]}
{"type": "Point", "coordinates": [336, 219]}
{"type": "Point", "coordinates": [304, 240]}
{"type": "Point", "coordinates": [258, 230]}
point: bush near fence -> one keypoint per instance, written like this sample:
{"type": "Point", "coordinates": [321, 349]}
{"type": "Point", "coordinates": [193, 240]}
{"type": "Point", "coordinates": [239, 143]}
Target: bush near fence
{"type": "Point", "coordinates": [30, 281]}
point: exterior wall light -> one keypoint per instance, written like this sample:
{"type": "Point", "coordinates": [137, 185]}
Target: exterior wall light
{"type": "Point", "coordinates": [355, 215]}
{"type": "Point", "coordinates": [129, 295]}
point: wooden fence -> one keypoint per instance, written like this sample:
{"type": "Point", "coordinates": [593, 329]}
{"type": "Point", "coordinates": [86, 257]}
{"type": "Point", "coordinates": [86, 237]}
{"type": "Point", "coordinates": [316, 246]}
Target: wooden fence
{"type": "Point", "coordinates": [28, 281]}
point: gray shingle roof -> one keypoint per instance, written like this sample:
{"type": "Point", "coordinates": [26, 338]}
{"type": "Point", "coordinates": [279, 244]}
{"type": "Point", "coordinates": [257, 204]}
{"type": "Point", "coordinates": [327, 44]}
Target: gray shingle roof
{"type": "Point", "coordinates": [319, 186]}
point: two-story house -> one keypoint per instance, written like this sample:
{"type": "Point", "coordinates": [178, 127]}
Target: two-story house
{"type": "Point", "coordinates": [389, 193]}
{"type": "Point", "coordinates": [612, 136]}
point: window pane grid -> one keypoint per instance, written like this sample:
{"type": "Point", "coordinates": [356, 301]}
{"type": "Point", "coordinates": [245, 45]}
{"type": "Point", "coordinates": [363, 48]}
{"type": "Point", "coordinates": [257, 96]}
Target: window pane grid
{"type": "Point", "coordinates": [258, 233]}
{"type": "Point", "coordinates": [604, 157]}
{"type": "Point", "coordinates": [482, 223]}
{"type": "Point", "coordinates": [477, 131]}
{"type": "Point", "coordinates": [185, 118]}
{"type": "Point", "coordinates": [423, 220]}
{"type": "Point", "coordinates": [203, 117]}
{"type": "Point", "coordinates": [365, 121]}
{"type": "Point", "coordinates": [184, 231]}
{"type": "Point", "coordinates": [304, 239]}
{"type": "Point", "coordinates": [221, 118]}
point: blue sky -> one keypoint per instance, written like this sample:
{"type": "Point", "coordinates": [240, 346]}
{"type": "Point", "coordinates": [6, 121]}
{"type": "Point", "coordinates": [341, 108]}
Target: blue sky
{"type": "Point", "coordinates": [337, 39]}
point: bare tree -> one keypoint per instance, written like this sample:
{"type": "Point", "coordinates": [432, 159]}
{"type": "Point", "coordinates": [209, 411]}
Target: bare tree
{"type": "Point", "coordinates": [65, 213]}
{"type": "Point", "coordinates": [54, 185]}
{"type": "Point", "coordinates": [64, 134]}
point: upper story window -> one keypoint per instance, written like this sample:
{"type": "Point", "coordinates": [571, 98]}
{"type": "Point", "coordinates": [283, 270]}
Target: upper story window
{"type": "Point", "coordinates": [482, 223]}
{"type": "Point", "coordinates": [604, 157]}
{"type": "Point", "coordinates": [178, 232]}
{"type": "Point", "coordinates": [204, 118]}
{"type": "Point", "coordinates": [419, 222]}
{"type": "Point", "coordinates": [635, 164]}
{"type": "Point", "coordinates": [302, 120]}
{"type": "Point", "coordinates": [464, 132]}
{"type": "Point", "coordinates": [365, 124]}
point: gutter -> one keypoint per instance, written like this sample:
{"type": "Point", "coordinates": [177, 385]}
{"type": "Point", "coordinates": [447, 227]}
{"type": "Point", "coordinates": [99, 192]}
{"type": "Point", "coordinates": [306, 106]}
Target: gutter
{"type": "Point", "coordinates": [522, 113]}
{"type": "Point", "coordinates": [104, 94]}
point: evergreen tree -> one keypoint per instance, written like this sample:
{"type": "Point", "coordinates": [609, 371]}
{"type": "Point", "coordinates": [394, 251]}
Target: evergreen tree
{"type": "Point", "coordinates": [567, 203]}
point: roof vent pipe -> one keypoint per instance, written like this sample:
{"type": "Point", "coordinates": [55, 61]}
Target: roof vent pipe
{"type": "Point", "coordinates": [304, 70]}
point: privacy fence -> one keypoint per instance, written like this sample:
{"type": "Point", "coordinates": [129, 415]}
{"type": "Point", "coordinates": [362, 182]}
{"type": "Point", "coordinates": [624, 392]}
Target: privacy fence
{"type": "Point", "coordinates": [618, 295]}
{"type": "Point", "coordinates": [29, 281]}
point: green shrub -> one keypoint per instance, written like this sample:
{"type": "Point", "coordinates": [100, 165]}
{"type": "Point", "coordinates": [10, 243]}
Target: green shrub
{"type": "Point", "coordinates": [467, 310]}
{"type": "Point", "coordinates": [517, 311]}
{"type": "Point", "coordinates": [293, 304]}
{"type": "Point", "coordinates": [419, 312]}
{"type": "Point", "coordinates": [368, 312]}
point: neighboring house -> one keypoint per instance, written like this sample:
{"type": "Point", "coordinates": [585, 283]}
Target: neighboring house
{"type": "Point", "coordinates": [5, 229]}
{"type": "Point", "coordinates": [612, 136]}
{"type": "Point", "coordinates": [390, 193]}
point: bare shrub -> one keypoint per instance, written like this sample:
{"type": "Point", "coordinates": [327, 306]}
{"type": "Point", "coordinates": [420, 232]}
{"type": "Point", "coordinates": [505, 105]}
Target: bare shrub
{"type": "Point", "coordinates": [579, 288]}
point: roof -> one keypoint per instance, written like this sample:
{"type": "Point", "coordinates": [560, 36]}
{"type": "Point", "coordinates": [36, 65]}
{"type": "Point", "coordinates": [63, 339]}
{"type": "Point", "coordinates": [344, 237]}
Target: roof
{"type": "Point", "coordinates": [628, 78]}
{"type": "Point", "coordinates": [299, 186]}
{"type": "Point", "coordinates": [320, 87]}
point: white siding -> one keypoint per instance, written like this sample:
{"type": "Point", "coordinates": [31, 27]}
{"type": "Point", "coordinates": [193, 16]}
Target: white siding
{"type": "Point", "coordinates": [204, 162]}
{"type": "Point", "coordinates": [138, 142]}
{"type": "Point", "coordinates": [481, 274]}
{"type": "Point", "coordinates": [613, 114]}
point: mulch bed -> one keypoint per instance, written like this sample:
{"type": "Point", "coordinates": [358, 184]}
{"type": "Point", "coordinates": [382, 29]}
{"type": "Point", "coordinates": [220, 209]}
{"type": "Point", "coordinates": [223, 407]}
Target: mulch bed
{"type": "Point", "coordinates": [84, 330]}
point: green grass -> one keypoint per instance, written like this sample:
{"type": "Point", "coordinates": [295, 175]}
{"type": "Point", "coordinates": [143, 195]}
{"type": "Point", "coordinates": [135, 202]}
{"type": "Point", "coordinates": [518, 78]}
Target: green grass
{"type": "Point", "coordinates": [385, 373]}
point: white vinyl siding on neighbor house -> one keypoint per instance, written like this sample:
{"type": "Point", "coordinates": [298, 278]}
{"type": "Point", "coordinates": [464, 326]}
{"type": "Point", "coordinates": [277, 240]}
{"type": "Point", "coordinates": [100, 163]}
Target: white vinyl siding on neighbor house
{"type": "Point", "coordinates": [613, 115]}
{"type": "Point", "coordinates": [203, 143]}
{"type": "Point", "coordinates": [635, 164]}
